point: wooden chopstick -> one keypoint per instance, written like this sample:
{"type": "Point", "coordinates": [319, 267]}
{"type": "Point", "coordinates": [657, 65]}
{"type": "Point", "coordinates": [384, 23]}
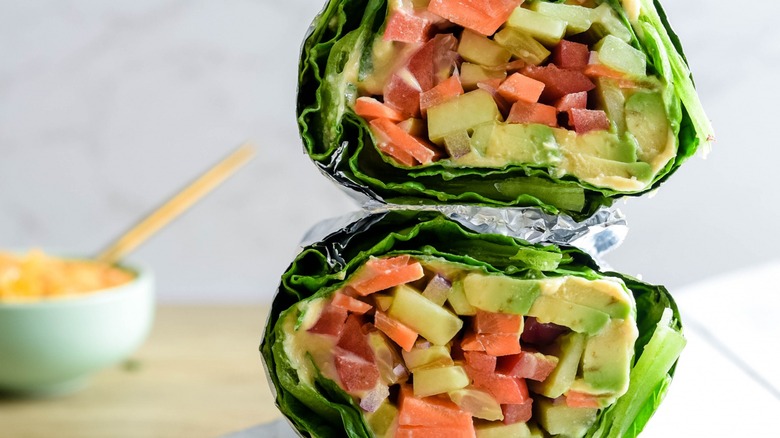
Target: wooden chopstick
{"type": "Point", "coordinates": [177, 204]}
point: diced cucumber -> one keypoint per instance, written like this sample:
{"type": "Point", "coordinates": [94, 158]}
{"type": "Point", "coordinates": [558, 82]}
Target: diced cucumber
{"type": "Point", "coordinates": [569, 350]}
{"type": "Point", "coordinates": [457, 299]}
{"type": "Point", "coordinates": [432, 381]}
{"type": "Point", "coordinates": [479, 49]}
{"type": "Point", "coordinates": [544, 28]}
{"type": "Point", "coordinates": [522, 45]}
{"type": "Point", "coordinates": [433, 322]}
{"type": "Point", "coordinates": [433, 357]}
{"type": "Point", "coordinates": [578, 18]}
{"type": "Point", "coordinates": [478, 403]}
{"type": "Point", "coordinates": [606, 22]}
{"type": "Point", "coordinates": [621, 56]}
{"type": "Point", "coordinates": [461, 113]}
{"type": "Point", "coordinates": [473, 74]}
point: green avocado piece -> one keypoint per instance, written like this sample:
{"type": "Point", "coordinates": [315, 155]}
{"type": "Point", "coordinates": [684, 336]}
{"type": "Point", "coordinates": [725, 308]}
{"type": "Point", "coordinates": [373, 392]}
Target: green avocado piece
{"type": "Point", "coordinates": [578, 18]}
{"type": "Point", "coordinates": [606, 361]}
{"type": "Point", "coordinates": [568, 349]}
{"type": "Point", "coordinates": [610, 98]}
{"type": "Point", "coordinates": [383, 421]}
{"type": "Point", "coordinates": [598, 143]}
{"type": "Point", "coordinates": [457, 299]}
{"type": "Point", "coordinates": [604, 295]}
{"type": "Point", "coordinates": [577, 317]}
{"type": "Point", "coordinates": [563, 421]}
{"type": "Point", "coordinates": [647, 121]}
{"type": "Point", "coordinates": [501, 430]}
{"type": "Point", "coordinates": [460, 113]}
{"type": "Point", "coordinates": [500, 294]}
{"type": "Point", "coordinates": [590, 167]}
{"type": "Point", "coordinates": [516, 143]}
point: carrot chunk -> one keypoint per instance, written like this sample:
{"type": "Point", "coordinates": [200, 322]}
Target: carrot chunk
{"type": "Point", "coordinates": [379, 274]}
{"type": "Point", "coordinates": [370, 108]}
{"type": "Point", "coordinates": [400, 333]}
{"type": "Point", "coordinates": [520, 87]}
{"type": "Point", "coordinates": [481, 16]}
{"type": "Point", "coordinates": [523, 112]}
{"type": "Point", "coordinates": [441, 93]}
{"type": "Point", "coordinates": [350, 304]}
{"type": "Point", "coordinates": [401, 139]}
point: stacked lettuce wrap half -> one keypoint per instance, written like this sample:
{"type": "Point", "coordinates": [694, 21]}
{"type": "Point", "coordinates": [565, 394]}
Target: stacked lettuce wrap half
{"type": "Point", "coordinates": [565, 105]}
{"type": "Point", "coordinates": [408, 324]}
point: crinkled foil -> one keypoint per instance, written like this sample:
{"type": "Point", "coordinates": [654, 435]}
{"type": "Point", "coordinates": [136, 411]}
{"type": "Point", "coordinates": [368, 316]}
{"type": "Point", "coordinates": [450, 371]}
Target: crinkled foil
{"type": "Point", "coordinates": [596, 235]}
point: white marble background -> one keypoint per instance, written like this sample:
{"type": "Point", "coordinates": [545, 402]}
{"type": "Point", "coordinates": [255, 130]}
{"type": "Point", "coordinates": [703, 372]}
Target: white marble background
{"type": "Point", "coordinates": [106, 108]}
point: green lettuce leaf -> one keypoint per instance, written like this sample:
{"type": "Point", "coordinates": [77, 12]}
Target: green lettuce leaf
{"type": "Point", "coordinates": [323, 410]}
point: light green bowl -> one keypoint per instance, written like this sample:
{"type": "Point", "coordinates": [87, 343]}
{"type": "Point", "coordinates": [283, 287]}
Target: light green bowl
{"type": "Point", "coordinates": [54, 345]}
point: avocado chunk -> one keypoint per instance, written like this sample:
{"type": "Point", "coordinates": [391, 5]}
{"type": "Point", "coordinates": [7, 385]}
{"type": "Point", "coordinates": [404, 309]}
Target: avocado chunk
{"type": "Point", "coordinates": [516, 143]}
{"type": "Point", "coordinates": [463, 112]}
{"type": "Point", "coordinates": [647, 121]}
{"type": "Point", "coordinates": [578, 18]}
{"type": "Point", "coordinates": [577, 317]}
{"type": "Point", "coordinates": [383, 421]}
{"type": "Point", "coordinates": [592, 169]}
{"type": "Point", "coordinates": [607, 296]}
{"type": "Point", "coordinates": [478, 49]}
{"type": "Point", "coordinates": [500, 294]}
{"type": "Point", "coordinates": [564, 421]}
{"type": "Point", "coordinates": [606, 360]}
{"type": "Point", "coordinates": [544, 28]}
{"type": "Point", "coordinates": [434, 323]}
{"type": "Point", "coordinates": [478, 403]}
{"type": "Point", "coordinates": [568, 350]}
{"type": "Point", "coordinates": [601, 144]}
{"type": "Point", "coordinates": [621, 56]}
{"type": "Point", "coordinates": [500, 430]}
{"type": "Point", "coordinates": [611, 99]}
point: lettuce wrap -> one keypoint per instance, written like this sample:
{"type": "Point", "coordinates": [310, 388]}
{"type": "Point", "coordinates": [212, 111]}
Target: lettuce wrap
{"type": "Point", "coordinates": [565, 105]}
{"type": "Point", "coordinates": [409, 324]}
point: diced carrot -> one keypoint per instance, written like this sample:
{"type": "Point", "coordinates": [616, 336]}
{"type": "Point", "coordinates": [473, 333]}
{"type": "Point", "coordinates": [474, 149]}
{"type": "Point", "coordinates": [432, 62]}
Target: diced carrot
{"type": "Point", "coordinates": [441, 93]}
{"type": "Point", "coordinates": [500, 344]}
{"type": "Point", "coordinates": [568, 54]}
{"type": "Point", "coordinates": [585, 120]}
{"type": "Point", "coordinates": [407, 27]}
{"type": "Point", "coordinates": [351, 304]}
{"type": "Point", "coordinates": [435, 432]}
{"type": "Point", "coordinates": [383, 273]}
{"type": "Point", "coordinates": [470, 342]}
{"type": "Point", "coordinates": [395, 330]}
{"type": "Point", "coordinates": [401, 139]}
{"type": "Point", "coordinates": [504, 323]}
{"type": "Point", "coordinates": [482, 16]}
{"type": "Point", "coordinates": [370, 108]}
{"type": "Point", "coordinates": [429, 411]}
{"type": "Point", "coordinates": [523, 112]}
{"type": "Point", "coordinates": [576, 399]}
{"type": "Point", "coordinates": [573, 100]}
{"type": "Point", "coordinates": [331, 321]}
{"type": "Point", "coordinates": [399, 154]}
{"type": "Point", "coordinates": [518, 412]}
{"type": "Point", "coordinates": [520, 87]}
{"type": "Point", "coordinates": [505, 389]}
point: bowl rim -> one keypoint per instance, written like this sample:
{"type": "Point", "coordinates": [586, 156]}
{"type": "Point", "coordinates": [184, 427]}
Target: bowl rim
{"type": "Point", "coordinates": [142, 274]}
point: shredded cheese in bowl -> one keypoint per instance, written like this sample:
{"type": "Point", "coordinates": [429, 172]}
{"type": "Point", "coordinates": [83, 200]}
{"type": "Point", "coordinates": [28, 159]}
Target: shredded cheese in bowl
{"type": "Point", "coordinates": [36, 275]}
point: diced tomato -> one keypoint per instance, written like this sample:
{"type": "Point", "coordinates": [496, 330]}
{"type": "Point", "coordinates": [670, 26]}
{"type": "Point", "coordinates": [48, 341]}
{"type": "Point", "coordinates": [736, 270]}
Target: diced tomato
{"type": "Point", "coordinates": [585, 120]}
{"type": "Point", "coordinates": [505, 389]}
{"type": "Point", "coordinates": [355, 373]}
{"type": "Point", "coordinates": [331, 321]}
{"type": "Point", "coordinates": [434, 61]}
{"type": "Point", "coordinates": [529, 365]}
{"type": "Point", "coordinates": [482, 16]}
{"type": "Point", "coordinates": [350, 304]}
{"type": "Point", "coordinates": [429, 411]}
{"type": "Point", "coordinates": [518, 413]}
{"type": "Point", "coordinates": [354, 340]}
{"type": "Point", "coordinates": [435, 432]}
{"type": "Point", "coordinates": [523, 112]}
{"type": "Point", "coordinates": [480, 361]}
{"type": "Point", "coordinates": [540, 334]}
{"type": "Point", "coordinates": [407, 27]}
{"type": "Point", "coordinates": [398, 137]}
{"type": "Point", "coordinates": [383, 273]}
{"type": "Point", "coordinates": [441, 93]}
{"type": "Point", "coordinates": [370, 108]}
{"type": "Point", "coordinates": [568, 54]}
{"type": "Point", "coordinates": [398, 332]}
{"type": "Point", "coordinates": [558, 82]}
{"type": "Point", "coordinates": [402, 92]}
{"type": "Point", "coordinates": [576, 399]}
{"type": "Point", "coordinates": [502, 323]}
{"type": "Point", "coordinates": [573, 100]}
{"type": "Point", "coordinates": [520, 87]}
{"type": "Point", "coordinates": [500, 344]}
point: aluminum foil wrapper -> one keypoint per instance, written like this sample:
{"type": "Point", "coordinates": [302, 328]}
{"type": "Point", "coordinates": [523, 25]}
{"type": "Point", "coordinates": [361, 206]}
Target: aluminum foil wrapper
{"type": "Point", "coordinates": [596, 235]}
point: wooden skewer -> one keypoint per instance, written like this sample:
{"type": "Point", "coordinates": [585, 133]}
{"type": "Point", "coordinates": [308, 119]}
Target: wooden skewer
{"type": "Point", "coordinates": [177, 204]}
